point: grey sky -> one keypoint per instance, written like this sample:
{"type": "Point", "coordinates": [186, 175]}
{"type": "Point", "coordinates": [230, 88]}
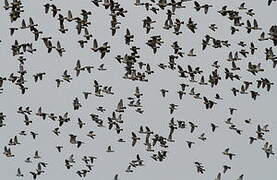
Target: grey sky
{"type": "Point", "coordinates": [250, 160]}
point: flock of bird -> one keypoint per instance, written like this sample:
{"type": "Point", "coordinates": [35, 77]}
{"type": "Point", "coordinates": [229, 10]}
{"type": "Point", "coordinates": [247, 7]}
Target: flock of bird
{"type": "Point", "coordinates": [135, 69]}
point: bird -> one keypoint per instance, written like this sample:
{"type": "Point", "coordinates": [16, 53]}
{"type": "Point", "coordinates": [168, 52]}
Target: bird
{"type": "Point", "coordinates": [230, 155]}
{"type": "Point", "coordinates": [213, 127]}
{"type": "Point", "coordinates": [174, 67]}
{"type": "Point", "coordinates": [190, 53]}
{"type": "Point", "coordinates": [202, 137]}
{"type": "Point", "coordinates": [36, 156]}
{"type": "Point", "coordinates": [190, 143]}
{"type": "Point", "coordinates": [232, 110]}
{"type": "Point", "coordinates": [59, 148]}
{"type": "Point", "coordinates": [269, 2]}
{"type": "Point", "coordinates": [19, 174]}
{"type": "Point", "coordinates": [191, 25]}
{"type": "Point", "coordinates": [34, 135]}
{"type": "Point", "coordinates": [213, 27]}
{"type": "Point", "coordinates": [193, 126]}
{"type": "Point", "coordinates": [252, 139]}
{"type": "Point", "coordinates": [134, 139]}
{"type": "Point", "coordinates": [109, 150]}
{"type": "Point", "coordinates": [116, 177]}
{"type": "Point", "coordinates": [218, 177]}
{"type": "Point", "coordinates": [164, 91]}
{"type": "Point", "coordinates": [240, 177]}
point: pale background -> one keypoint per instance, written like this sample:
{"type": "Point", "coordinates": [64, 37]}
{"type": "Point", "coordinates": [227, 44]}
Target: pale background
{"type": "Point", "coordinates": [250, 159]}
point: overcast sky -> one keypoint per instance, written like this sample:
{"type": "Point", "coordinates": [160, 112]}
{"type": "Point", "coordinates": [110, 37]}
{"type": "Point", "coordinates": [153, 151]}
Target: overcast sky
{"type": "Point", "coordinates": [250, 160]}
